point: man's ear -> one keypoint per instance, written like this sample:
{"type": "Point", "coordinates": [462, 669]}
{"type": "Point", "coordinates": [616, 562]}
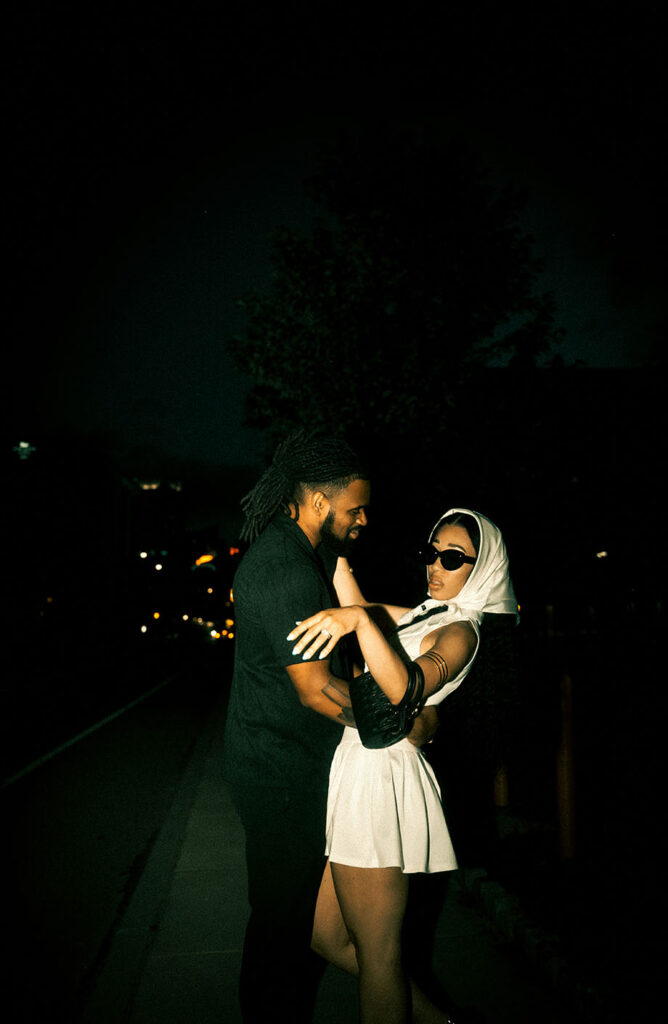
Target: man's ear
{"type": "Point", "coordinates": [319, 503]}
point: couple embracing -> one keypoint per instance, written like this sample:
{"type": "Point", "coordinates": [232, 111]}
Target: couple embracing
{"type": "Point", "coordinates": [324, 764]}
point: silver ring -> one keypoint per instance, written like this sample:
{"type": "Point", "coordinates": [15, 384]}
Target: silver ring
{"type": "Point", "coordinates": [327, 633]}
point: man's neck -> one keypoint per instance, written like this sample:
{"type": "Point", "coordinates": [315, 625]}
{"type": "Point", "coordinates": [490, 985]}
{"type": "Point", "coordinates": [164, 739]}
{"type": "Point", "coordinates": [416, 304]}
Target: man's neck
{"type": "Point", "coordinates": [312, 530]}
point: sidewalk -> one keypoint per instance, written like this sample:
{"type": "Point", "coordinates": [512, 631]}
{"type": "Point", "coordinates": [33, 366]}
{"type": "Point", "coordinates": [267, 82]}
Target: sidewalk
{"type": "Point", "coordinates": [175, 956]}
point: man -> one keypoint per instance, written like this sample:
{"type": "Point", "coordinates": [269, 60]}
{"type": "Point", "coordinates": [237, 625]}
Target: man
{"type": "Point", "coordinates": [285, 715]}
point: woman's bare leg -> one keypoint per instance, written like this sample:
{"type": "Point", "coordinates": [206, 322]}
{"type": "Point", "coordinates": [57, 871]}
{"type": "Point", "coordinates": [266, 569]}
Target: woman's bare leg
{"type": "Point", "coordinates": [373, 904]}
{"type": "Point", "coordinates": [331, 940]}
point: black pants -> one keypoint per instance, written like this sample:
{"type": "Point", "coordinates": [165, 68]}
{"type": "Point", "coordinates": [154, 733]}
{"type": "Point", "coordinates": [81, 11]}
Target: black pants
{"type": "Point", "coordinates": [285, 840]}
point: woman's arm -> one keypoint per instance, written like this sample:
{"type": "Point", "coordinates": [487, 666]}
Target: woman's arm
{"type": "Point", "coordinates": [327, 627]}
{"type": "Point", "coordinates": [453, 647]}
{"type": "Point", "coordinates": [346, 586]}
{"type": "Point", "coordinates": [348, 592]}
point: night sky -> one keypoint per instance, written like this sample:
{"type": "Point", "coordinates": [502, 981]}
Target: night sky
{"type": "Point", "coordinates": [152, 148]}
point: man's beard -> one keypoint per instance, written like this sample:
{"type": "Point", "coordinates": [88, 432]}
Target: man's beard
{"type": "Point", "coordinates": [337, 545]}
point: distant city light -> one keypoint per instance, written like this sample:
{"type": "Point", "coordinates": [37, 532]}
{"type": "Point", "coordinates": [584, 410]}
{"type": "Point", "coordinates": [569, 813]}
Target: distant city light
{"type": "Point", "coordinates": [150, 485]}
{"type": "Point", "coordinates": [601, 554]}
{"type": "Point", "coordinates": [229, 622]}
{"type": "Point", "coordinates": [143, 554]}
{"type": "Point", "coordinates": [185, 617]}
{"type": "Point", "coordinates": [215, 634]}
{"type": "Point", "coordinates": [144, 629]}
{"type": "Point", "coordinates": [209, 590]}
{"type": "Point", "coordinates": [234, 551]}
{"type": "Point", "coordinates": [203, 559]}
{"type": "Point", "coordinates": [24, 450]}
{"type": "Point", "coordinates": [156, 615]}
{"type": "Point", "coordinates": [158, 566]}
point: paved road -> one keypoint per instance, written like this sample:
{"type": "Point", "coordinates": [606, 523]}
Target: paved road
{"type": "Point", "coordinates": [79, 830]}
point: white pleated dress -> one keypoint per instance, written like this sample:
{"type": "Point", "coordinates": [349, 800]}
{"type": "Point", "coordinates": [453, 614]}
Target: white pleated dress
{"type": "Point", "coordinates": [384, 806]}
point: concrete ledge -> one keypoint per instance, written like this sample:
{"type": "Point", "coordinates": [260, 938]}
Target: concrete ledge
{"type": "Point", "coordinates": [542, 948]}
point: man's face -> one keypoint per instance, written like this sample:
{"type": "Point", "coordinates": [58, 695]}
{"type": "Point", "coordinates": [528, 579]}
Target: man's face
{"type": "Point", "coordinates": [346, 517]}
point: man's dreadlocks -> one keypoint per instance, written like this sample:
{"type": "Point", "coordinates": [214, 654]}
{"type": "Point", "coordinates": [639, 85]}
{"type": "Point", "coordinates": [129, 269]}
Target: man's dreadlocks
{"type": "Point", "coordinates": [303, 461]}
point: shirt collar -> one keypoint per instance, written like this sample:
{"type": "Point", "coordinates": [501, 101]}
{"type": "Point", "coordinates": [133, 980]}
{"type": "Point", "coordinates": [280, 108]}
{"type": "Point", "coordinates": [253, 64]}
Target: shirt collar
{"type": "Point", "coordinates": [288, 525]}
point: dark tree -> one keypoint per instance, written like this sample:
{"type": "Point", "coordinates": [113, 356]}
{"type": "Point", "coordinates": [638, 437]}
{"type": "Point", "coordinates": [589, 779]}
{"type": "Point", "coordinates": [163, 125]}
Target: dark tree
{"type": "Point", "coordinates": [416, 274]}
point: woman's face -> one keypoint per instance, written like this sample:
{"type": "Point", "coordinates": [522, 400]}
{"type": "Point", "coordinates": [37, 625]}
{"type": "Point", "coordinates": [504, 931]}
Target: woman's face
{"type": "Point", "coordinates": [444, 584]}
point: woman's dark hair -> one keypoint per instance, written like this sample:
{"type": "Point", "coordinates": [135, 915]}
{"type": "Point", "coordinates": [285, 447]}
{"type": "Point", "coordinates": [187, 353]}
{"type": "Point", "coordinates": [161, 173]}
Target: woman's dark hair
{"type": "Point", "coordinates": [304, 461]}
{"type": "Point", "coordinates": [470, 524]}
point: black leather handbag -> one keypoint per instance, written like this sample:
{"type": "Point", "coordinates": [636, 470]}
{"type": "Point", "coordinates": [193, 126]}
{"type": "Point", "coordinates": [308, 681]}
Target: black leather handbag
{"type": "Point", "coordinates": [379, 722]}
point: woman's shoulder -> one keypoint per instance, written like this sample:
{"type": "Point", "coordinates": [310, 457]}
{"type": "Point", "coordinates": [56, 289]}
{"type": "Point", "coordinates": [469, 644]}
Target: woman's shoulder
{"type": "Point", "coordinates": [461, 631]}
{"type": "Point", "coordinates": [460, 626]}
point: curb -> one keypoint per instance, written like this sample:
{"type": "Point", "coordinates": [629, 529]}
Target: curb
{"type": "Point", "coordinates": [111, 993]}
{"type": "Point", "coordinates": [541, 947]}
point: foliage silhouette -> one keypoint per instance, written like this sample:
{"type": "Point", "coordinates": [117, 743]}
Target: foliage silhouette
{"type": "Point", "coordinates": [416, 274]}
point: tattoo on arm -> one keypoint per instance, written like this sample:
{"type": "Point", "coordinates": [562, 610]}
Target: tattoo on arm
{"type": "Point", "coordinates": [441, 665]}
{"type": "Point", "coordinates": [340, 697]}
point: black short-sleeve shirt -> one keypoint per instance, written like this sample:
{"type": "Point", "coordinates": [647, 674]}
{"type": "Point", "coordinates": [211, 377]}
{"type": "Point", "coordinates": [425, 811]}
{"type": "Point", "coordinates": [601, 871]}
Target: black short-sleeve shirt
{"type": "Point", "coordinates": [270, 737]}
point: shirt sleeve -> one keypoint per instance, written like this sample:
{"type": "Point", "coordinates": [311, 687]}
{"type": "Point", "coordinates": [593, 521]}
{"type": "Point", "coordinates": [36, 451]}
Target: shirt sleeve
{"type": "Point", "coordinates": [291, 595]}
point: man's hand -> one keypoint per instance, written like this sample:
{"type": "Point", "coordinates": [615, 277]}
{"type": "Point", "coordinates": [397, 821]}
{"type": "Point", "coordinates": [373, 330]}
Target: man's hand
{"type": "Point", "coordinates": [425, 727]}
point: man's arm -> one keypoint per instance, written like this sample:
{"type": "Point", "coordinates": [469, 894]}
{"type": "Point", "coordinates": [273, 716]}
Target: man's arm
{"type": "Point", "coordinates": [321, 691]}
{"type": "Point", "coordinates": [328, 695]}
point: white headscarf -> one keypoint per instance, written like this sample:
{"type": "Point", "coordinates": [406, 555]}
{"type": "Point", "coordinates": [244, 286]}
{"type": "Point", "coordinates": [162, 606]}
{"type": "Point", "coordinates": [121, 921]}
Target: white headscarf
{"type": "Point", "coordinates": [489, 587]}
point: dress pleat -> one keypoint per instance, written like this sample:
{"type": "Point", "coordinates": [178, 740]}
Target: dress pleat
{"type": "Point", "coordinates": [384, 809]}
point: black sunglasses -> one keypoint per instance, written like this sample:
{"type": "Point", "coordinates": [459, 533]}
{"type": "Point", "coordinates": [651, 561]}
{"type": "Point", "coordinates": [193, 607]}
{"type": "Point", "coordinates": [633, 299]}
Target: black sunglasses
{"type": "Point", "coordinates": [451, 559]}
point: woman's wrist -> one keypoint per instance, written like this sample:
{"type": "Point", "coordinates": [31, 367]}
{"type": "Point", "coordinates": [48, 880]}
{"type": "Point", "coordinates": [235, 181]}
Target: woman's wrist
{"type": "Point", "coordinates": [363, 619]}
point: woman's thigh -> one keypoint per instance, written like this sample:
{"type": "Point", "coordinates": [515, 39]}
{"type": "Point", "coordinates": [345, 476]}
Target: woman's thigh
{"type": "Point", "coordinates": [373, 904]}
{"type": "Point", "coordinates": [330, 934]}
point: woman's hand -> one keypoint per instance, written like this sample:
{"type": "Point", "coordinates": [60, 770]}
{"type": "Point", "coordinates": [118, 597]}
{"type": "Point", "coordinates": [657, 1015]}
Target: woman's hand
{"type": "Point", "coordinates": [326, 628]}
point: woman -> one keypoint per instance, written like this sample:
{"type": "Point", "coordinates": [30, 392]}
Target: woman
{"type": "Point", "coordinates": [385, 819]}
